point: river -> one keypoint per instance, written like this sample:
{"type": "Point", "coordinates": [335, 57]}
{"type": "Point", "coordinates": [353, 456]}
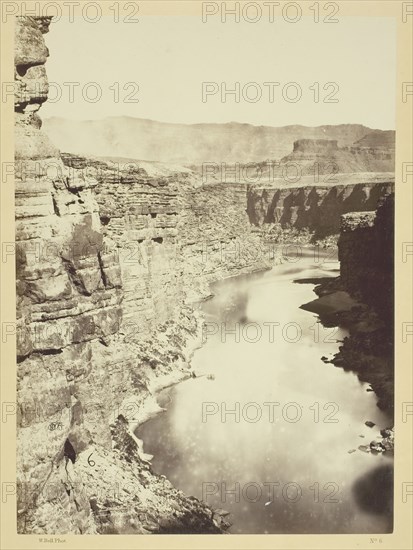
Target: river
{"type": "Point", "coordinates": [272, 435]}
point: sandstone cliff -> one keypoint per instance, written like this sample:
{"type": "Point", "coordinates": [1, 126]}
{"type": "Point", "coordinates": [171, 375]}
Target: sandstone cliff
{"type": "Point", "coordinates": [320, 162]}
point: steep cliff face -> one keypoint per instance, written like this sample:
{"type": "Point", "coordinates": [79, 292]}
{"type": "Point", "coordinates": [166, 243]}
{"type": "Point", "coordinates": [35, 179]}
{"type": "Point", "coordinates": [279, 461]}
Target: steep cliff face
{"type": "Point", "coordinates": [366, 254]}
{"type": "Point", "coordinates": [104, 315]}
{"type": "Point", "coordinates": [317, 208]}
{"type": "Point", "coordinates": [171, 236]}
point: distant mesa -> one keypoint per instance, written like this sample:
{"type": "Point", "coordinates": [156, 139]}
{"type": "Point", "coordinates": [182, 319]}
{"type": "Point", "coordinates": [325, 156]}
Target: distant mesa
{"type": "Point", "coordinates": [150, 140]}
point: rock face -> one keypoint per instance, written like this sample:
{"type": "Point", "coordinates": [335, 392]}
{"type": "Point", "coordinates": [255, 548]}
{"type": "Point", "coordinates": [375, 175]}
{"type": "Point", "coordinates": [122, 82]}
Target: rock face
{"type": "Point", "coordinates": [31, 88]}
{"type": "Point", "coordinates": [366, 254]}
{"type": "Point", "coordinates": [110, 258]}
{"type": "Point", "coordinates": [105, 260]}
{"type": "Point", "coordinates": [362, 301]}
{"type": "Point", "coordinates": [315, 208]}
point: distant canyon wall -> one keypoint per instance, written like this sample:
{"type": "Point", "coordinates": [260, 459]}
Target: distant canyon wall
{"type": "Point", "coordinates": [324, 156]}
{"type": "Point", "coordinates": [315, 208]}
{"type": "Point", "coordinates": [233, 142]}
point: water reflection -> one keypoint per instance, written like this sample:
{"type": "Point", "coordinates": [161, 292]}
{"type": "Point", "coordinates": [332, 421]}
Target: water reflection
{"type": "Point", "coordinates": [273, 438]}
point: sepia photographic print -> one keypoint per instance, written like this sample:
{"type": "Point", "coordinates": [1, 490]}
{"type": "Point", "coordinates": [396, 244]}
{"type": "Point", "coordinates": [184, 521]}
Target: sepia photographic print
{"type": "Point", "coordinates": [206, 274]}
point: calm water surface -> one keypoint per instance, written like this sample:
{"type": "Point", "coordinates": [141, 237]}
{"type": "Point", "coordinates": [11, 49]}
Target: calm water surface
{"type": "Point", "coordinates": [284, 467]}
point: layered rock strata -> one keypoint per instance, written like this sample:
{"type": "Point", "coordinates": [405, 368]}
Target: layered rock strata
{"type": "Point", "coordinates": [111, 260]}
{"type": "Point", "coordinates": [104, 314]}
{"type": "Point", "coordinates": [313, 208]}
{"type": "Point", "coordinates": [324, 156]}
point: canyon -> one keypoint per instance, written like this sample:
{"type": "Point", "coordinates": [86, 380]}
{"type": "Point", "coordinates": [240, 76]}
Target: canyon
{"type": "Point", "coordinates": [112, 258]}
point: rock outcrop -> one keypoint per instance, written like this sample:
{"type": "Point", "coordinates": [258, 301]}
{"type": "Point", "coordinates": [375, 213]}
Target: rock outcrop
{"type": "Point", "coordinates": [315, 146]}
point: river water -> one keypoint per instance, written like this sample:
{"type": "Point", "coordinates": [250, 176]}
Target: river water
{"type": "Point", "coordinates": [272, 435]}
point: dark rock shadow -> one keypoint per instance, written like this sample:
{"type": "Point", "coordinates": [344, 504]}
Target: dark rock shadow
{"type": "Point", "coordinates": [270, 215]}
{"type": "Point", "coordinates": [373, 492]}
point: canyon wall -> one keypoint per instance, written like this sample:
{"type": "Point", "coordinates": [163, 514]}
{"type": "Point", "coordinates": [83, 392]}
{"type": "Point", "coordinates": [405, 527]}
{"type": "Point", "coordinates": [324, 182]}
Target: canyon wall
{"type": "Point", "coordinates": [366, 254]}
{"type": "Point", "coordinates": [111, 261]}
{"type": "Point", "coordinates": [171, 236]}
{"type": "Point", "coordinates": [316, 208]}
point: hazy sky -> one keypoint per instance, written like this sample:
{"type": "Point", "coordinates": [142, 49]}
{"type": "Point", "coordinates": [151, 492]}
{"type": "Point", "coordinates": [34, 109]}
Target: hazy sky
{"type": "Point", "coordinates": [169, 58]}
